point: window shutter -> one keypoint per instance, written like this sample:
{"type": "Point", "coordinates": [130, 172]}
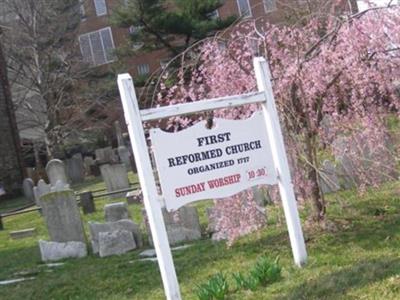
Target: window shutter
{"type": "Point", "coordinates": [269, 5]}
{"type": "Point", "coordinates": [108, 44]}
{"type": "Point", "coordinates": [97, 48]}
{"type": "Point", "coordinates": [84, 43]}
{"type": "Point", "coordinates": [101, 7]}
{"type": "Point", "coordinates": [244, 8]}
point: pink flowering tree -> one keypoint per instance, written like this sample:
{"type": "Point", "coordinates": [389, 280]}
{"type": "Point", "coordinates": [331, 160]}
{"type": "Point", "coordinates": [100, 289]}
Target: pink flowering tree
{"type": "Point", "coordinates": [336, 77]}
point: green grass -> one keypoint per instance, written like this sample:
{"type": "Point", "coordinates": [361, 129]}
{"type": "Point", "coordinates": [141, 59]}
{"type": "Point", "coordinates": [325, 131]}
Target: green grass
{"type": "Point", "coordinates": [358, 260]}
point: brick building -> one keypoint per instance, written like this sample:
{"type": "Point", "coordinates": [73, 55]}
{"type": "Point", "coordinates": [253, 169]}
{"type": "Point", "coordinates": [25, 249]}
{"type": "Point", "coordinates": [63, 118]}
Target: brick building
{"type": "Point", "coordinates": [11, 172]}
{"type": "Point", "coordinates": [98, 38]}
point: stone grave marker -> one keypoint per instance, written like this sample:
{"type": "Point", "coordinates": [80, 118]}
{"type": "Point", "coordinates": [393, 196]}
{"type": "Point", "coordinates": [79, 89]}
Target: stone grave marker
{"type": "Point", "coordinates": [126, 225]}
{"type": "Point", "coordinates": [115, 178]}
{"type": "Point", "coordinates": [88, 162]}
{"type": "Point", "coordinates": [87, 203]}
{"type": "Point", "coordinates": [116, 211]}
{"type": "Point", "coordinates": [55, 170]}
{"type": "Point", "coordinates": [329, 178]}
{"type": "Point", "coordinates": [27, 187]}
{"type": "Point", "coordinates": [75, 168]}
{"type": "Point", "coordinates": [106, 156]}
{"type": "Point", "coordinates": [181, 227]}
{"type": "Point", "coordinates": [116, 242]}
{"type": "Point", "coordinates": [54, 251]}
{"type": "Point", "coordinates": [39, 190]}
{"type": "Point", "coordinates": [62, 217]}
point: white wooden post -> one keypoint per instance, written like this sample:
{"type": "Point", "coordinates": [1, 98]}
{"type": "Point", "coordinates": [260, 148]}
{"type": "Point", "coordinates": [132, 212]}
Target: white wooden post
{"type": "Point", "coordinates": [149, 188]}
{"type": "Point", "coordinates": [275, 137]}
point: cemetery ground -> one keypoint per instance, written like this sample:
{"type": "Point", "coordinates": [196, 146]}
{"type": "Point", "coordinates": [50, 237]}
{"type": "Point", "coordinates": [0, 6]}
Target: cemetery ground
{"type": "Point", "coordinates": [356, 257]}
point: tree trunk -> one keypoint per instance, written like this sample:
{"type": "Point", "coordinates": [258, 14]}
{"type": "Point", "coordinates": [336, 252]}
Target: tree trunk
{"type": "Point", "coordinates": [317, 198]}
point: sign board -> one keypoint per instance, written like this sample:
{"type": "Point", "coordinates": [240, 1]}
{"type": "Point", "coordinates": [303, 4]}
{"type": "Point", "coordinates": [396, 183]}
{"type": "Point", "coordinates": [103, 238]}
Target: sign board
{"type": "Point", "coordinates": [200, 163]}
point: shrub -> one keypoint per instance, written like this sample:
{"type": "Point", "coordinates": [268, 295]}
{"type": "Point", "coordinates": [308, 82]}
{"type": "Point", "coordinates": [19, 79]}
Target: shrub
{"type": "Point", "coordinates": [217, 288]}
{"type": "Point", "coordinates": [266, 271]}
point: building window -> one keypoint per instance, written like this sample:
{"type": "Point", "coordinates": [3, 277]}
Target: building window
{"type": "Point", "coordinates": [143, 69]}
{"type": "Point", "coordinates": [97, 47]}
{"type": "Point", "coordinates": [82, 11]}
{"type": "Point", "coordinates": [269, 5]}
{"type": "Point", "coordinates": [244, 8]}
{"type": "Point", "coordinates": [101, 7]}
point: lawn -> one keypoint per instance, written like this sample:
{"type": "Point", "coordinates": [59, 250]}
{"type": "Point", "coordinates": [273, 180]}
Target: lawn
{"type": "Point", "coordinates": [357, 258]}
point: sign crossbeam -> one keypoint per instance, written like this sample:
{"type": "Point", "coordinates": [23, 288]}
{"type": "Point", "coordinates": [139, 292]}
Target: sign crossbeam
{"type": "Point", "coordinates": [200, 106]}
{"type": "Point", "coordinates": [135, 118]}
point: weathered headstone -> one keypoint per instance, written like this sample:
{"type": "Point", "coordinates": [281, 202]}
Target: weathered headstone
{"type": "Point", "coordinates": [62, 217]}
{"type": "Point", "coordinates": [116, 242]}
{"type": "Point", "coordinates": [87, 203]}
{"type": "Point", "coordinates": [88, 162]}
{"type": "Point", "coordinates": [60, 186]}
{"type": "Point", "coordinates": [55, 170]}
{"type": "Point", "coordinates": [125, 157]}
{"type": "Point", "coordinates": [75, 168]}
{"type": "Point", "coordinates": [115, 178]}
{"type": "Point", "coordinates": [54, 251]}
{"type": "Point", "coordinates": [116, 211]}
{"type": "Point", "coordinates": [128, 225]}
{"type": "Point", "coordinates": [27, 187]}
{"type": "Point", "coordinates": [329, 178]}
{"type": "Point", "coordinates": [345, 167]}
{"type": "Point", "coordinates": [39, 190]}
{"type": "Point", "coordinates": [106, 156]}
{"type": "Point", "coordinates": [183, 225]}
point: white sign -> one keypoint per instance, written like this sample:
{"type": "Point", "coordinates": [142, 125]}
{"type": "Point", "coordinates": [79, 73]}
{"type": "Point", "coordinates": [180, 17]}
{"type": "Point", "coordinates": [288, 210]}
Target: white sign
{"type": "Point", "coordinates": [200, 163]}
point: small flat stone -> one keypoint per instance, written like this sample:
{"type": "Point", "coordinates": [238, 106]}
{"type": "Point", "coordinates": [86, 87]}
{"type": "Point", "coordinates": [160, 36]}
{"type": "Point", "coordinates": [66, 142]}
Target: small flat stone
{"type": "Point", "coordinates": [148, 253]}
{"type": "Point", "coordinates": [152, 253]}
{"type": "Point", "coordinates": [21, 234]}
{"type": "Point", "coordinates": [181, 247]}
{"type": "Point", "coordinates": [148, 259]}
{"type": "Point", "coordinates": [53, 251]}
{"type": "Point", "coordinates": [54, 265]}
{"type": "Point", "coordinates": [11, 281]}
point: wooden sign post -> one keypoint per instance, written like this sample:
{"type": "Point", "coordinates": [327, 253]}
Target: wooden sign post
{"type": "Point", "coordinates": [199, 163]}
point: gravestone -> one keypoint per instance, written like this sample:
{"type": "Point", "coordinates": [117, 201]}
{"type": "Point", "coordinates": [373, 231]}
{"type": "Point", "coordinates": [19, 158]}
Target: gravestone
{"type": "Point", "coordinates": [27, 187]}
{"type": "Point", "coordinates": [125, 157]}
{"type": "Point", "coordinates": [88, 162]}
{"type": "Point", "coordinates": [106, 156]}
{"type": "Point", "coordinates": [54, 251]}
{"type": "Point", "coordinates": [75, 169]}
{"type": "Point", "coordinates": [39, 190]}
{"type": "Point", "coordinates": [345, 168]}
{"type": "Point", "coordinates": [329, 178]}
{"type": "Point", "coordinates": [116, 211]}
{"type": "Point", "coordinates": [128, 225]}
{"type": "Point", "coordinates": [62, 216]}
{"type": "Point", "coordinates": [55, 170]}
{"type": "Point", "coordinates": [59, 187]}
{"type": "Point", "coordinates": [182, 225]}
{"type": "Point", "coordinates": [115, 243]}
{"type": "Point", "coordinates": [115, 178]}
{"type": "Point", "coordinates": [87, 203]}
